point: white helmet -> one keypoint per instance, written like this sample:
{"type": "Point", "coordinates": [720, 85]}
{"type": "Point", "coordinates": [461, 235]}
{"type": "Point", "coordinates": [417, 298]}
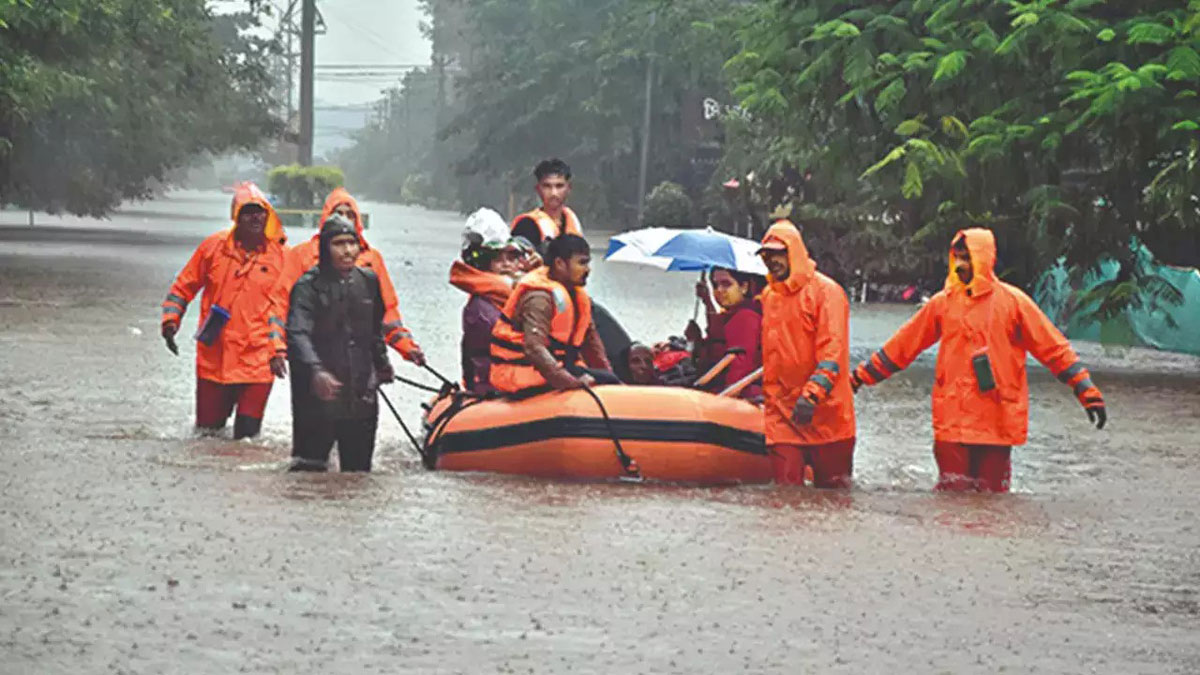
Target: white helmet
{"type": "Point", "coordinates": [486, 228]}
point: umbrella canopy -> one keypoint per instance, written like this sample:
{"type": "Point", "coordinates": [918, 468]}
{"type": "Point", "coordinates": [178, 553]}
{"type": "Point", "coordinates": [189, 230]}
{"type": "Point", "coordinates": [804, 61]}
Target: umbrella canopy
{"type": "Point", "coordinates": [686, 250]}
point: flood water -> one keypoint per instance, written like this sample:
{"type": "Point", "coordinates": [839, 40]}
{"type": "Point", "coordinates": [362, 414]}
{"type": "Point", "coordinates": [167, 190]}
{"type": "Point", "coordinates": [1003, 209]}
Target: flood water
{"type": "Point", "coordinates": [128, 545]}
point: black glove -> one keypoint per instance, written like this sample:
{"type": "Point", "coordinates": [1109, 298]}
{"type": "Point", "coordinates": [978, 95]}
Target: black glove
{"type": "Point", "coordinates": [1098, 415]}
{"type": "Point", "coordinates": [802, 414]}
{"type": "Point", "coordinates": [168, 335]}
{"type": "Point", "coordinates": [855, 381]}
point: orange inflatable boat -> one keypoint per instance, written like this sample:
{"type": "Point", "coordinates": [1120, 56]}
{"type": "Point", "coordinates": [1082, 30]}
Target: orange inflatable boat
{"type": "Point", "coordinates": [665, 434]}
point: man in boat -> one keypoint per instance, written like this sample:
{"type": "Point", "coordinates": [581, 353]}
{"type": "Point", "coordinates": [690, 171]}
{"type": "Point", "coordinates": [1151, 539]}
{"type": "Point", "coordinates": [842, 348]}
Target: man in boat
{"type": "Point", "coordinates": [980, 394]}
{"type": "Point", "coordinates": [305, 256]}
{"type": "Point", "coordinates": [338, 355]}
{"type": "Point", "coordinates": [487, 273]}
{"type": "Point", "coordinates": [808, 401]}
{"type": "Point", "coordinates": [554, 218]}
{"type": "Point", "coordinates": [238, 269]}
{"type": "Point", "coordinates": [546, 327]}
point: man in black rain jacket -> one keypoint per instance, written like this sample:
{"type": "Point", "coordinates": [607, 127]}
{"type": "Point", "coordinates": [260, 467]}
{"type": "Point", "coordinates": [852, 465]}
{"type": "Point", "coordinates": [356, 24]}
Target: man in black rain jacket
{"type": "Point", "coordinates": [337, 355]}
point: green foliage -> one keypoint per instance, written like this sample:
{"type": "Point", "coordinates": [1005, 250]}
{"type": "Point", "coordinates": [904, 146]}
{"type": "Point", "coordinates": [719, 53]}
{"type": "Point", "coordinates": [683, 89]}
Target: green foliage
{"type": "Point", "coordinates": [515, 97]}
{"type": "Point", "coordinates": [668, 206]}
{"type": "Point", "coordinates": [303, 187]}
{"type": "Point", "coordinates": [99, 99]}
{"type": "Point", "coordinates": [1067, 127]}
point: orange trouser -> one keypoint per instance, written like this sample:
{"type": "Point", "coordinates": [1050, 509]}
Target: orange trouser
{"type": "Point", "coordinates": [963, 467]}
{"type": "Point", "coordinates": [832, 463]}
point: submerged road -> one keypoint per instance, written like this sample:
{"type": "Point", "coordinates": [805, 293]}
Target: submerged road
{"type": "Point", "coordinates": [127, 545]}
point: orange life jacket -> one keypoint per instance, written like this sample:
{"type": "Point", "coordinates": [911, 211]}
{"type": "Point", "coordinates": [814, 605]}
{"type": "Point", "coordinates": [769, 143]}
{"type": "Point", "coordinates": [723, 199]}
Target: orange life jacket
{"type": "Point", "coordinates": [511, 370]}
{"type": "Point", "coordinates": [549, 227]}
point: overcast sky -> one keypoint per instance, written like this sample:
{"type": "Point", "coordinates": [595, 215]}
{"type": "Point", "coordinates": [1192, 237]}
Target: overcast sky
{"type": "Point", "coordinates": [360, 32]}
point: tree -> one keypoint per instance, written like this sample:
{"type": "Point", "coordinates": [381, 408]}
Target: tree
{"type": "Point", "coordinates": [512, 96]}
{"type": "Point", "coordinates": [1067, 126]}
{"type": "Point", "coordinates": [100, 98]}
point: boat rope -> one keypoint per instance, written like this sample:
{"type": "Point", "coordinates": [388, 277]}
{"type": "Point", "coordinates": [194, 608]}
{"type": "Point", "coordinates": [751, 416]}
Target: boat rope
{"type": "Point", "coordinates": [633, 472]}
{"type": "Point", "coordinates": [417, 446]}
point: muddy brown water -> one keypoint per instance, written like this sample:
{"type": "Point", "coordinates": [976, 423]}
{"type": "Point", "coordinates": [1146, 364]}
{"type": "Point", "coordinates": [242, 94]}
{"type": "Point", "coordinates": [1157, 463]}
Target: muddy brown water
{"type": "Point", "coordinates": [128, 545]}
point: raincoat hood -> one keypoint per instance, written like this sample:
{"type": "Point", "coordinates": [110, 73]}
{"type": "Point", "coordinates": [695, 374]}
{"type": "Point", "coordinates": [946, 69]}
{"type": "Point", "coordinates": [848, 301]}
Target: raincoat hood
{"type": "Point", "coordinates": [334, 226]}
{"type": "Point", "coordinates": [494, 287]}
{"type": "Point", "coordinates": [338, 197]}
{"type": "Point", "coordinates": [981, 243]}
{"type": "Point", "coordinates": [249, 193]}
{"type": "Point", "coordinates": [803, 267]}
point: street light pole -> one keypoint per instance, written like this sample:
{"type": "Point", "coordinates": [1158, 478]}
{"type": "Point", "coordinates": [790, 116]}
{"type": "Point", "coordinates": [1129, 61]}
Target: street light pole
{"type": "Point", "coordinates": [645, 160]}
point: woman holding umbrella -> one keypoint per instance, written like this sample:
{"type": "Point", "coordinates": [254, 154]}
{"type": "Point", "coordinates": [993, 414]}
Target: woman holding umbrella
{"type": "Point", "coordinates": [734, 325]}
{"type": "Point", "coordinates": [737, 275]}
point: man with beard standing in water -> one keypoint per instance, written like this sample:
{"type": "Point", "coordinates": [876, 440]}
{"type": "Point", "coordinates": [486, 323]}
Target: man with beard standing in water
{"type": "Point", "coordinates": [980, 395]}
{"type": "Point", "coordinates": [337, 353]}
{"type": "Point", "coordinates": [809, 407]}
{"type": "Point", "coordinates": [238, 270]}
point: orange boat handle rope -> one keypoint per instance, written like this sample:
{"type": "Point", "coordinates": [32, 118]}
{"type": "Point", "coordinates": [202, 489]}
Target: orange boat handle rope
{"type": "Point", "coordinates": [737, 387]}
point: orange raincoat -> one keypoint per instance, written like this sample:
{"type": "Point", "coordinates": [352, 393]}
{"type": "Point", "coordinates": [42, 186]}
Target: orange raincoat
{"type": "Point", "coordinates": [306, 255]}
{"type": "Point", "coordinates": [806, 349]}
{"type": "Point", "coordinates": [244, 283]}
{"type": "Point", "coordinates": [990, 315]}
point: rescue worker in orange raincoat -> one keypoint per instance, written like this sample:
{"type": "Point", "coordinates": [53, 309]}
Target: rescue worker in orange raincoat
{"type": "Point", "coordinates": [980, 395]}
{"type": "Point", "coordinates": [238, 269]}
{"type": "Point", "coordinates": [808, 402]}
{"type": "Point", "coordinates": [305, 256]}
{"type": "Point", "coordinates": [554, 218]}
{"type": "Point", "coordinates": [545, 328]}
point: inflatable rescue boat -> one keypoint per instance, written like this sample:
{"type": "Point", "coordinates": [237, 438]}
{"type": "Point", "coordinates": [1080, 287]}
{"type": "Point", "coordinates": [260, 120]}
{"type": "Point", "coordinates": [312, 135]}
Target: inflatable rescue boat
{"type": "Point", "coordinates": [663, 434]}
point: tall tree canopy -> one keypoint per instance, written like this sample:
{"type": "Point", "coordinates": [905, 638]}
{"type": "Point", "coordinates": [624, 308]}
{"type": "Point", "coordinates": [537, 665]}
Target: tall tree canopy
{"type": "Point", "coordinates": [522, 80]}
{"type": "Point", "coordinates": [1067, 125]}
{"type": "Point", "coordinates": [100, 97]}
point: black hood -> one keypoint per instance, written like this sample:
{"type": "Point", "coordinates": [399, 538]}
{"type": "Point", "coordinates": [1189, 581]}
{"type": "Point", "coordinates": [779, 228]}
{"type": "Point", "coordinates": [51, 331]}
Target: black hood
{"type": "Point", "coordinates": [333, 226]}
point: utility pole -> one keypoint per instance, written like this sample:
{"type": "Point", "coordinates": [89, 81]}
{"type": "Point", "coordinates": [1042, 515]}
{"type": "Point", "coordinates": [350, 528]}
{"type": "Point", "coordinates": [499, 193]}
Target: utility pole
{"type": "Point", "coordinates": [645, 162]}
{"type": "Point", "coordinates": [308, 20]}
{"type": "Point", "coordinates": [289, 29]}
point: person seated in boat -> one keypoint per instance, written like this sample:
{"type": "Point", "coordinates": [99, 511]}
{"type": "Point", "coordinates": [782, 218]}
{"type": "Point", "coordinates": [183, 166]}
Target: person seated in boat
{"type": "Point", "coordinates": [545, 328]}
{"type": "Point", "coordinates": [528, 259]}
{"type": "Point", "coordinates": [487, 273]}
{"type": "Point", "coordinates": [636, 366]}
{"type": "Point", "coordinates": [734, 323]}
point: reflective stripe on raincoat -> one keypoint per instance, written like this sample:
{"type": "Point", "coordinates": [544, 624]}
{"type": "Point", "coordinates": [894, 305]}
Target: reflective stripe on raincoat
{"type": "Point", "coordinates": [242, 282]}
{"type": "Point", "coordinates": [806, 349]}
{"type": "Point", "coordinates": [985, 316]}
{"type": "Point", "coordinates": [306, 255]}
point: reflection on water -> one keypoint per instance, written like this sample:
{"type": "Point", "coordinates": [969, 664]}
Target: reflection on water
{"type": "Point", "coordinates": [1093, 565]}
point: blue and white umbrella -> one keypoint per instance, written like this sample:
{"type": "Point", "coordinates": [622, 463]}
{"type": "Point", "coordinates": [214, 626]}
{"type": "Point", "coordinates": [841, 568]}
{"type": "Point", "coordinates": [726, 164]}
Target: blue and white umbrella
{"type": "Point", "coordinates": [686, 250]}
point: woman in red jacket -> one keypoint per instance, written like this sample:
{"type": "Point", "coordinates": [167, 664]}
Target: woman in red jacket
{"type": "Point", "coordinates": [736, 325]}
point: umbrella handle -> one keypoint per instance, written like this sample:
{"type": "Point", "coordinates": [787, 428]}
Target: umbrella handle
{"type": "Point", "coordinates": [696, 305]}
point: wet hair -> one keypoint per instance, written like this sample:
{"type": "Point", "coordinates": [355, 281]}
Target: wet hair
{"type": "Point", "coordinates": [551, 167]}
{"type": "Point", "coordinates": [564, 247]}
{"type": "Point", "coordinates": [756, 282]}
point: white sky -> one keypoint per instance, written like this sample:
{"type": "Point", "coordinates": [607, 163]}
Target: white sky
{"type": "Point", "coordinates": [360, 32]}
